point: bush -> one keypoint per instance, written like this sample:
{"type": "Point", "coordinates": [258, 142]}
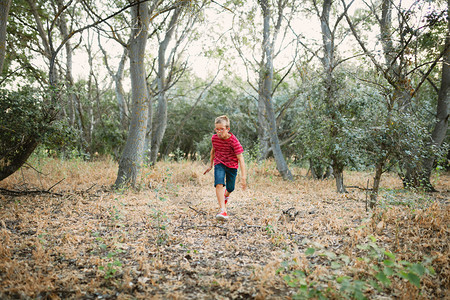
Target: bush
{"type": "Point", "coordinates": [25, 121]}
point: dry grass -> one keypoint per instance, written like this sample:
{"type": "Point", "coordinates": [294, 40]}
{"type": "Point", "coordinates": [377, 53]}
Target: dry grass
{"type": "Point", "coordinates": [163, 242]}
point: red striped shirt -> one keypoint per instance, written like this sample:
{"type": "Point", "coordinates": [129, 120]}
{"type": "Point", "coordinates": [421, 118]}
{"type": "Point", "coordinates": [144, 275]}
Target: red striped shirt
{"type": "Point", "coordinates": [226, 151]}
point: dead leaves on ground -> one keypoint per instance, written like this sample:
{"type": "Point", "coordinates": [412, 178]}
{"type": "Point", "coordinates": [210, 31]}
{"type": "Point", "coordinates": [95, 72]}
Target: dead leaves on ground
{"type": "Point", "coordinates": [163, 242]}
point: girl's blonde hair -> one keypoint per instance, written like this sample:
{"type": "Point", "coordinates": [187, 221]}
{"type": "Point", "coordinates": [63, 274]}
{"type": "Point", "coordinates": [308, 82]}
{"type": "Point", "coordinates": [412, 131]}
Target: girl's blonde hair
{"type": "Point", "coordinates": [223, 120]}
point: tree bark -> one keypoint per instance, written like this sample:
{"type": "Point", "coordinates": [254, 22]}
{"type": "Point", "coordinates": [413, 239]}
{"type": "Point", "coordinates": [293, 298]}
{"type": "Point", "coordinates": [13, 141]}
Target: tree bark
{"type": "Point", "coordinates": [4, 12]}
{"type": "Point", "coordinates": [329, 64]}
{"type": "Point", "coordinates": [118, 85]}
{"type": "Point", "coordinates": [376, 184]}
{"type": "Point", "coordinates": [75, 103]}
{"type": "Point", "coordinates": [266, 93]}
{"type": "Point", "coordinates": [14, 160]}
{"type": "Point", "coordinates": [263, 136]}
{"type": "Point", "coordinates": [160, 124]}
{"type": "Point", "coordinates": [132, 156]}
{"type": "Point", "coordinates": [120, 94]}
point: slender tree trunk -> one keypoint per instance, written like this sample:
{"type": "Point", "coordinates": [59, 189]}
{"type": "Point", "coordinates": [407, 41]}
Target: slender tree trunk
{"type": "Point", "coordinates": [376, 184]}
{"type": "Point", "coordinates": [4, 12]}
{"type": "Point", "coordinates": [121, 102]}
{"type": "Point", "coordinates": [329, 63]}
{"type": "Point", "coordinates": [77, 108]}
{"type": "Point", "coordinates": [160, 125]}
{"type": "Point", "coordinates": [93, 97]}
{"type": "Point", "coordinates": [118, 85]}
{"type": "Point", "coordinates": [132, 156]}
{"type": "Point", "coordinates": [266, 94]}
{"type": "Point", "coordinates": [263, 134]}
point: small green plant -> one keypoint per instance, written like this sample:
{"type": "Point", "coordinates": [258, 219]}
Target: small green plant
{"type": "Point", "coordinates": [297, 279]}
{"type": "Point", "coordinates": [160, 221]}
{"type": "Point", "coordinates": [115, 214]}
{"type": "Point", "coordinates": [111, 268]}
{"type": "Point", "coordinates": [384, 268]}
{"type": "Point", "coordinates": [112, 263]}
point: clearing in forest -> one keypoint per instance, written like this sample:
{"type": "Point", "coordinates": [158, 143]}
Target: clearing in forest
{"type": "Point", "coordinates": [76, 238]}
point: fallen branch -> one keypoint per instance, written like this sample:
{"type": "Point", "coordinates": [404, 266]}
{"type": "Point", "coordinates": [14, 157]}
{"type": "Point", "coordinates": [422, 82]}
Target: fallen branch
{"type": "Point", "coordinates": [24, 193]}
{"type": "Point", "coordinates": [357, 187]}
{"type": "Point", "coordinates": [202, 226]}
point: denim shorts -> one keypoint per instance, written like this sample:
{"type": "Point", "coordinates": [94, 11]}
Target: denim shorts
{"type": "Point", "coordinates": [222, 172]}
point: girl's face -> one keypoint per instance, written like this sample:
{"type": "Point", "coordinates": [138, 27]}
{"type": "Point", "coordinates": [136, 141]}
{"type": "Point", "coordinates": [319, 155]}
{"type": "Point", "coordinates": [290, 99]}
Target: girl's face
{"type": "Point", "coordinates": [222, 131]}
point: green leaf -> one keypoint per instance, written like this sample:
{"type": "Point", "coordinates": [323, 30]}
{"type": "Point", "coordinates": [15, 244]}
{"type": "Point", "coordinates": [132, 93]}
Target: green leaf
{"type": "Point", "coordinates": [388, 271]}
{"type": "Point", "coordinates": [310, 251]}
{"type": "Point", "coordinates": [414, 279]}
{"type": "Point", "coordinates": [340, 279]}
{"type": "Point", "coordinates": [390, 255]}
{"type": "Point", "coordinates": [418, 269]}
{"type": "Point", "coordinates": [345, 259]}
{"type": "Point", "coordinates": [375, 285]}
{"type": "Point", "coordinates": [335, 265]}
{"type": "Point", "coordinates": [402, 274]}
{"type": "Point", "coordinates": [363, 247]}
{"type": "Point", "coordinates": [375, 267]}
{"type": "Point", "coordinates": [330, 255]}
{"type": "Point", "coordinates": [359, 295]}
{"type": "Point", "coordinates": [299, 273]}
{"type": "Point", "coordinates": [388, 262]}
{"type": "Point", "coordinates": [383, 279]}
{"type": "Point", "coordinates": [118, 263]}
{"type": "Point", "coordinates": [431, 270]}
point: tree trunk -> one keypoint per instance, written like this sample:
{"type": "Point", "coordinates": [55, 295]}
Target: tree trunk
{"type": "Point", "coordinates": [338, 171]}
{"type": "Point", "coordinates": [441, 126]}
{"type": "Point", "coordinates": [12, 161]}
{"type": "Point", "coordinates": [376, 184]}
{"type": "Point", "coordinates": [329, 63]}
{"type": "Point", "coordinates": [121, 102]}
{"type": "Point", "coordinates": [132, 156]}
{"type": "Point", "coordinates": [266, 94]}
{"type": "Point", "coordinates": [263, 136]}
{"type": "Point", "coordinates": [118, 85]}
{"type": "Point", "coordinates": [317, 170]}
{"type": "Point", "coordinates": [76, 105]}
{"type": "Point", "coordinates": [160, 125]}
{"type": "Point", "coordinates": [4, 12]}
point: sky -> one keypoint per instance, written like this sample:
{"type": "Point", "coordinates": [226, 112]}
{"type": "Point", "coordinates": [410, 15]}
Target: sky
{"type": "Point", "coordinates": [217, 34]}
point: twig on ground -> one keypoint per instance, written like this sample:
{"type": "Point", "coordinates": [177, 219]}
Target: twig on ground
{"type": "Point", "coordinates": [37, 171]}
{"type": "Point", "coordinates": [198, 211]}
{"type": "Point", "coordinates": [90, 187]}
{"type": "Point", "coordinates": [202, 226]}
{"type": "Point", "coordinates": [56, 184]}
{"type": "Point", "coordinates": [357, 187]}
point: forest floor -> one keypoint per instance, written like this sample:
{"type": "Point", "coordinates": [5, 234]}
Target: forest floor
{"type": "Point", "coordinates": [76, 238]}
